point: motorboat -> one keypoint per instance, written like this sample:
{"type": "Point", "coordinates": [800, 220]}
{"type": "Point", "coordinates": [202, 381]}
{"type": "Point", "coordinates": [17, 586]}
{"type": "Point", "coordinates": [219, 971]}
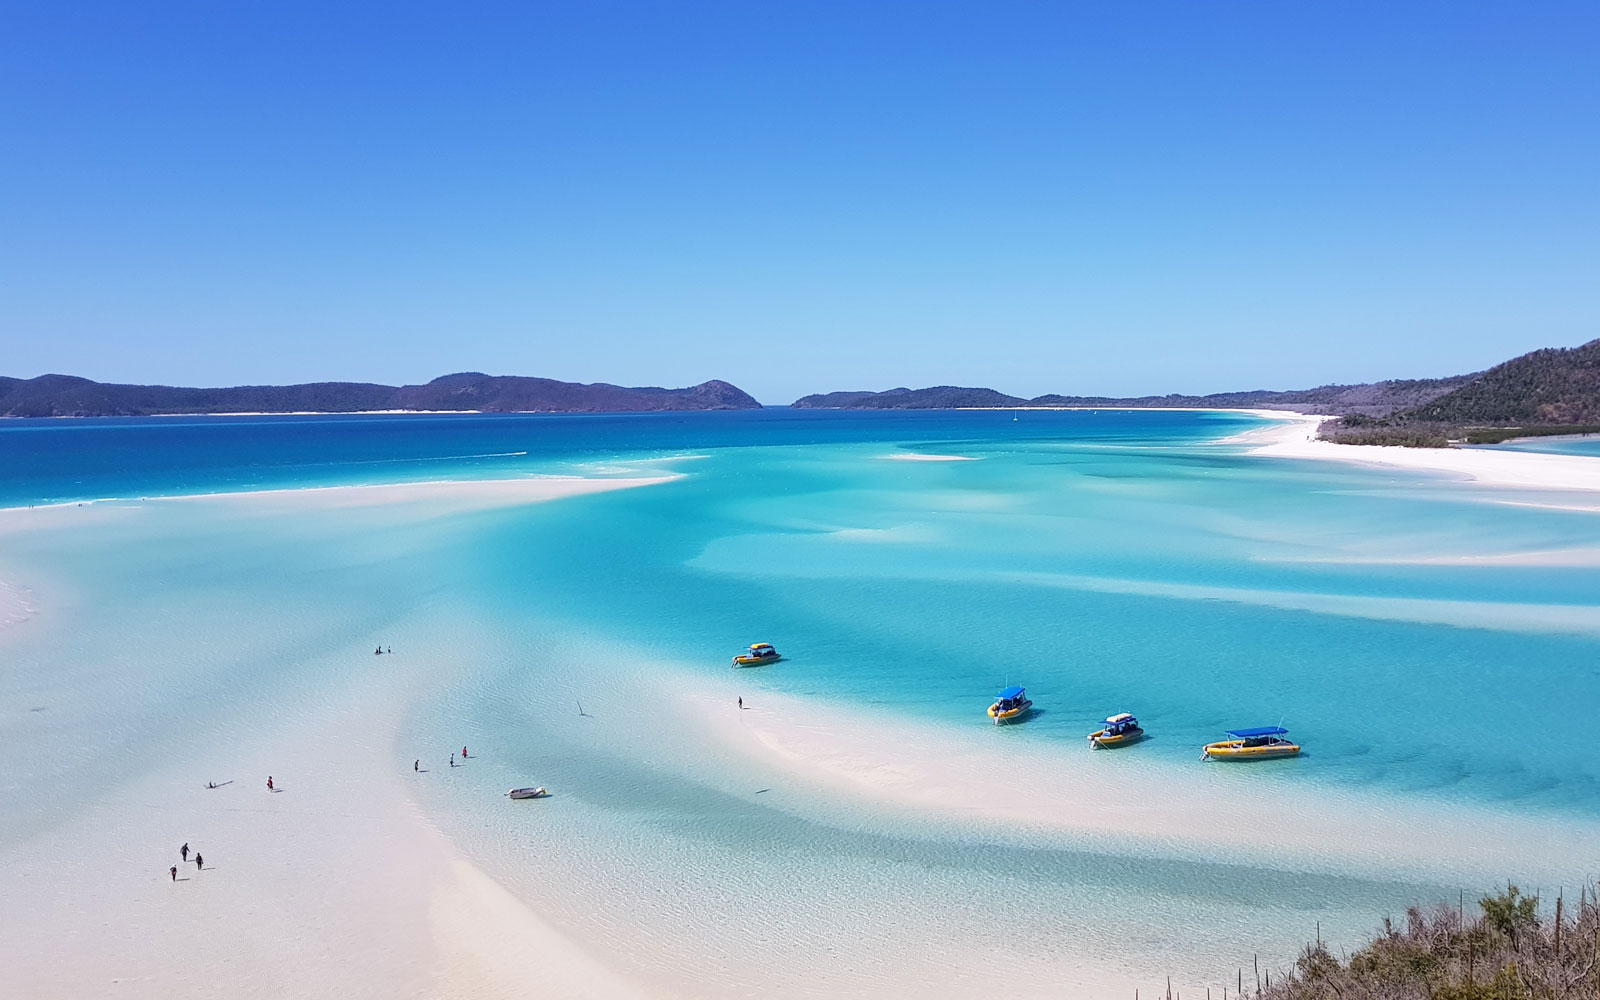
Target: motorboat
{"type": "Point", "coordinates": [528, 793]}
{"type": "Point", "coordinates": [1010, 705]}
{"type": "Point", "coordinates": [758, 654]}
{"type": "Point", "coordinates": [1119, 731]}
{"type": "Point", "coordinates": [1262, 743]}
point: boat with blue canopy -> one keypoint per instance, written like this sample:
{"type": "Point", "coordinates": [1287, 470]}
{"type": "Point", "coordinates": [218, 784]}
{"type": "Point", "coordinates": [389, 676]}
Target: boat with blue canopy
{"type": "Point", "coordinates": [1010, 705]}
{"type": "Point", "coordinates": [1261, 743]}
{"type": "Point", "coordinates": [1119, 731]}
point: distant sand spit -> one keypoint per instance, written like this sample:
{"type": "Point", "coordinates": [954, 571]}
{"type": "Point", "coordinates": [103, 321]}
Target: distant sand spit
{"type": "Point", "coordinates": [444, 496]}
{"type": "Point", "coordinates": [908, 456]}
{"type": "Point", "coordinates": [1294, 436]}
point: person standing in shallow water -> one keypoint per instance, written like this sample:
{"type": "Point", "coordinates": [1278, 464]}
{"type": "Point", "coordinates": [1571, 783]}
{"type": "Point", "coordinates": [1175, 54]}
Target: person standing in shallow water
{"type": "Point", "coordinates": [416, 765]}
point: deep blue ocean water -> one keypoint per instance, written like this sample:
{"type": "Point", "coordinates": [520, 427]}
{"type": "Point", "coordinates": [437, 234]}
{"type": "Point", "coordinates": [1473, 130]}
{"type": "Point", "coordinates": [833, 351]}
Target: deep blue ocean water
{"type": "Point", "coordinates": [83, 459]}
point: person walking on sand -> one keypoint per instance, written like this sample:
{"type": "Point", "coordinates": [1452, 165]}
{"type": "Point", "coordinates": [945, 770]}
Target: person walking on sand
{"type": "Point", "coordinates": [463, 753]}
{"type": "Point", "coordinates": [416, 765]}
{"type": "Point", "coordinates": [199, 862]}
{"type": "Point", "coordinates": [452, 760]}
{"type": "Point", "coordinates": [184, 851]}
{"type": "Point", "coordinates": [741, 703]}
{"type": "Point", "coordinates": [174, 873]}
{"type": "Point", "coordinates": [269, 782]}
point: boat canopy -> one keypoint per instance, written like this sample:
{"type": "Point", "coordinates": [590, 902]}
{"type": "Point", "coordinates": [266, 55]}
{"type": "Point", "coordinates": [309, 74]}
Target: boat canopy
{"type": "Point", "coordinates": [1246, 734]}
{"type": "Point", "coordinates": [1011, 693]}
{"type": "Point", "coordinates": [761, 645]}
{"type": "Point", "coordinates": [1124, 717]}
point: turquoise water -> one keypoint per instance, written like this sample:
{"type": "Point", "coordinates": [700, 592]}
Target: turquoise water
{"type": "Point", "coordinates": [1587, 444]}
{"type": "Point", "coordinates": [1109, 561]}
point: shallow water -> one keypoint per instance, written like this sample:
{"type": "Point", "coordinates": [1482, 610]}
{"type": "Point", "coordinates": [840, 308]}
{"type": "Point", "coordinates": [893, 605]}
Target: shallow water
{"type": "Point", "coordinates": [1108, 561]}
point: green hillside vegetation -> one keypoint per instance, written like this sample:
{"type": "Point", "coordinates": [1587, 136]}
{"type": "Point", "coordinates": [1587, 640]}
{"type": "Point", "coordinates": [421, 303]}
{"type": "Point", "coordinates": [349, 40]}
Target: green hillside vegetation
{"type": "Point", "coordinates": [1507, 951]}
{"type": "Point", "coordinates": [1371, 398]}
{"type": "Point", "coordinates": [1551, 391]}
{"type": "Point", "coordinates": [1556, 386]}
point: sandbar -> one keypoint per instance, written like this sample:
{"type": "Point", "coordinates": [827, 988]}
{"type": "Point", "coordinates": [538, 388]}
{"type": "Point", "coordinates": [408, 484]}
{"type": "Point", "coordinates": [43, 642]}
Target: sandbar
{"type": "Point", "coordinates": [335, 883]}
{"type": "Point", "coordinates": [1294, 435]}
{"type": "Point", "coordinates": [1117, 802]}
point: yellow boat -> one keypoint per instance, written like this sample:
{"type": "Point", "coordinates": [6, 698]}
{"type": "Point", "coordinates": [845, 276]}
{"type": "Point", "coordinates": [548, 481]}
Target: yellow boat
{"type": "Point", "coordinates": [1264, 743]}
{"type": "Point", "coordinates": [758, 654]}
{"type": "Point", "coordinates": [1010, 705]}
{"type": "Point", "coordinates": [1120, 730]}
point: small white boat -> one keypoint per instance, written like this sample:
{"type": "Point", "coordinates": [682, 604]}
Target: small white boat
{"type": "Point", "coordinates": [528, 793]}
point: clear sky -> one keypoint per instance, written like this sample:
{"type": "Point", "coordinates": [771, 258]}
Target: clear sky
{"type": "Point", "coordinates": [1098, 197]}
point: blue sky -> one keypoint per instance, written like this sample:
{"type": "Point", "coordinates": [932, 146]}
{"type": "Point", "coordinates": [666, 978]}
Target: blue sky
{"type": "Point", "coordinates": [1040, 197]}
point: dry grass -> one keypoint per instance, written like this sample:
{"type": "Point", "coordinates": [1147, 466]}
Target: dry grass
{"type": "Point", "coordinates": [1509, 950]}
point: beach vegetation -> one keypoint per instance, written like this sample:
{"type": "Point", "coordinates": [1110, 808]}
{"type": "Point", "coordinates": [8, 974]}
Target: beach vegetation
{"type": "Point", "coordinates": [1507, 950]}
{"type": "Point", "coordinates": [1546, 392]}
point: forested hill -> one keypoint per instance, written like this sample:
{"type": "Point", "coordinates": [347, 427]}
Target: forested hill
{"type": "Point", "coordinates": [1374, 399]}
{"type": "Point", "coordinates": [1556, 386]}
{"type": "Point", "coordinates": [1545, 391]}
{"type": "Point", "coordinates": [69, 396]}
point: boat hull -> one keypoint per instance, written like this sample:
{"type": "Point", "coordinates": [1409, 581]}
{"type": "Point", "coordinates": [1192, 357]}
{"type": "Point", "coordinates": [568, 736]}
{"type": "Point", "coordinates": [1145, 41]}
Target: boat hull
{"type": "Point", "coordinates": [1236, 750]}
{"type": "Point", "coordinates": [1100, 739]}
{"type": "Point", "coordinates": [1002, 716]}
{"type": "Point", "coordinates": [755, 661]}
{"type": "Point", "coordinates": [528, 793]}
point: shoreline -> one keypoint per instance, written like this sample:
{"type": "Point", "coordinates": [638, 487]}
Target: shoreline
{"type": "Point", "coordinates": [338, 881]}
{"type": "Point", "coordinates": [914, 770]}
{"type": "Point", "coordinates": [1294, 436]}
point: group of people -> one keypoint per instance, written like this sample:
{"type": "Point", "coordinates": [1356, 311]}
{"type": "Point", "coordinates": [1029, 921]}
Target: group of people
{"type": "Point", "coordinates": [381, 650]}
{"type": "Point", "coordinates": [199, 862]}
{"type": "Point", "coordinates": [416, 765]}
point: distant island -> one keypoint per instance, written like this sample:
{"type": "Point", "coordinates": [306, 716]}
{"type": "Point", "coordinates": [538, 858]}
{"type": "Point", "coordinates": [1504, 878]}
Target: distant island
{"type": "Point", "coordinates": [69, 396]}
{"type": "Point", "coordinates": [1376, 398]}
{"type": "Point", "coordinates": [1549, 391]}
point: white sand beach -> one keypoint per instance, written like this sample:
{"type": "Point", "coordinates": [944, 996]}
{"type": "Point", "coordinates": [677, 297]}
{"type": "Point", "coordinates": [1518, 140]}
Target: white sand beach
{"type": "Point", "coordinates": [335, 883]}
{"type": "Point", "coordinates": [1294, 436]}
